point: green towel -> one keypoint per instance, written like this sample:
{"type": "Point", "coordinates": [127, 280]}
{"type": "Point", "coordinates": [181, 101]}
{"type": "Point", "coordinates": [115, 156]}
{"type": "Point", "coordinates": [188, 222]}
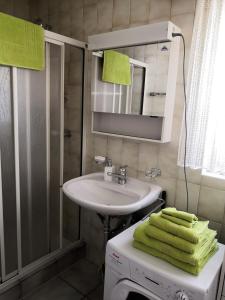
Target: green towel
{"type": "Point", "coordinates": [189, 234]}
{"type": "Point", "coordinates": [171, 211]}
{"type": "Point", "coordinates": [195, 270]}
{"type": "Point", "coordinates": [116, 68]}
{"type": "Point", "coordinates": [22, 43]}
{"type": "Point", "coordinates": [192, 259]}
{"type": "Point", "coordinates": [179, 221]}
{"type": "Point", "coordinates": [173, 240]}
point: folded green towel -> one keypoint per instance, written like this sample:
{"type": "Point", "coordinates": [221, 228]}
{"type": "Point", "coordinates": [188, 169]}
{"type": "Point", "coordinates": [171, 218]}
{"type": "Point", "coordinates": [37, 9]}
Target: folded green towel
{"type": "Point", "coordinates": [178, 221]}
{"type": "Point", "coordinates": [195, 270]}
{"type": "Point", "coordinates": [116, 68]}
{"type": "Point", "coordinates": [193, 259]}
{"type": "Point", "coordinates": [173, 240]}
{"type": "Point", "coordinates": [22, 43]}
{"type": "Point", "coordinates": [189, 234]}
{"type": "Point", "coordinates": [172, 211]}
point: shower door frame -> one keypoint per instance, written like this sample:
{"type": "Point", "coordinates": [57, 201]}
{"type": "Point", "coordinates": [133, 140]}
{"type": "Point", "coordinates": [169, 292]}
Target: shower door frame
{"type": "Point", "coordinates": [13, 278]}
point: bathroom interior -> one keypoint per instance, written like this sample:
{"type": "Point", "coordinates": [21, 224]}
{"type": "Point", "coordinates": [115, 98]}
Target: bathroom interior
{"type": "Point", "coordinates": [111, 119]}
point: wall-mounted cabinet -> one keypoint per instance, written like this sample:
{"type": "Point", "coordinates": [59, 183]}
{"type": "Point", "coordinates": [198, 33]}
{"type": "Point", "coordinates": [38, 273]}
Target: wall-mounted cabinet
{"type": "Point", "coordinates": [143, 110]}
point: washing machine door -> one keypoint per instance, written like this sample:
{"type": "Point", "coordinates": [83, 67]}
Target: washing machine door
{"type": "Point", "coordinates": [129, 290]}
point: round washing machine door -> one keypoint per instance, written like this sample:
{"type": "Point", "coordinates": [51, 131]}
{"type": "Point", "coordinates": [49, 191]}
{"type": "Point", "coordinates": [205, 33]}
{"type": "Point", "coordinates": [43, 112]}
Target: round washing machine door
{"type": "Point", "coordinates": [128, 290]}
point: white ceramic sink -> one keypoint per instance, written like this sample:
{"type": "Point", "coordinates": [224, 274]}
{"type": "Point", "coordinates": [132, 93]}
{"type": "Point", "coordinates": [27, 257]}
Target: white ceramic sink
{"type": "Point", "coordinates": [110, 198]}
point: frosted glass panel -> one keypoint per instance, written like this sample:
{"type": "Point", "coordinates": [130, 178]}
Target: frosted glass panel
{"type": "Point", "coordinates": [8, 169]}
{"type": "Point", "coordinates": [73, 143]}
{"type": "Point", "coordinates": [33, 175]}
{"type": "Point", "coordinates": [55, 120]}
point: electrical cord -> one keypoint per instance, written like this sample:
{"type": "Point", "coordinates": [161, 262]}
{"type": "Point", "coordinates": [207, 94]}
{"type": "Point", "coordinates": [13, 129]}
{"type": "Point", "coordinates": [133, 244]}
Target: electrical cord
{"type": "Point", "coordinates": [185, 116]}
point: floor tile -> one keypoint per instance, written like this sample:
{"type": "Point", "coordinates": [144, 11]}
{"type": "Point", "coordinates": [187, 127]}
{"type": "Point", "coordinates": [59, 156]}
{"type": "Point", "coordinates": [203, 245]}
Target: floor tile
{"type": "Point", "coordinates": [55, 289]}
{"type": "Point", "coordinates": [97, 294]}
{"type": "Point", "coordinates": [83, 276]}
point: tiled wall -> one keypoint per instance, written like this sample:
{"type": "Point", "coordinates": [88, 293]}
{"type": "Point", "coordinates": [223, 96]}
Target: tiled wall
{"type": "Point", "coordinates": [16, 8]}
{"type": "Point", "coordinates": [80, 18]}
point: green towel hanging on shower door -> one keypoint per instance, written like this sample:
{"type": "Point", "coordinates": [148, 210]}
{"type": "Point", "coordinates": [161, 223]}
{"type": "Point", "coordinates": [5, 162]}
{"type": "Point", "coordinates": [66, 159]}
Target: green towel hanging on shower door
{"type": "Point", "coordinates": [21, 43]}
{"type": "Point", "coordinates": [116, 68]}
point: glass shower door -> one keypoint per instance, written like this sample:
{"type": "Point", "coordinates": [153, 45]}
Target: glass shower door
{"type": "Point", "coordinates": [39, 115]}
{"type": "Point", "coordinates": [35, 218]}
{"type": "Point", "coordinates": [8, 202]}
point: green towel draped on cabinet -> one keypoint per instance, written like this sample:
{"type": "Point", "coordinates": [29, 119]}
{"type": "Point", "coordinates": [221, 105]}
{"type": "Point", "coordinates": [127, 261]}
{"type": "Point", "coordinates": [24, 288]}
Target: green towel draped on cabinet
{"type": "Point", "coordinates": [116, 68]}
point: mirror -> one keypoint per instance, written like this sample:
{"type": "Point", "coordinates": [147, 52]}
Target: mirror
{"type": "Point", "coordinates": [149, 66]}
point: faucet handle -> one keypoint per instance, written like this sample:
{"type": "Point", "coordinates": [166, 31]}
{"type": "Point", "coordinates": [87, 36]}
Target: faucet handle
{"type": "Point", "coordinates": [153, 173]}
{"type": "Point", "coordinates": [123, 169]}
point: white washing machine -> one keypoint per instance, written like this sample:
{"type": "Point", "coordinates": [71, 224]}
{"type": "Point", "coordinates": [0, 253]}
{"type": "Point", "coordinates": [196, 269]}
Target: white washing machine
{"type": "Point", "coordinates": [221, 292]}
{"type": "Point", "coordinates": [133, 275]}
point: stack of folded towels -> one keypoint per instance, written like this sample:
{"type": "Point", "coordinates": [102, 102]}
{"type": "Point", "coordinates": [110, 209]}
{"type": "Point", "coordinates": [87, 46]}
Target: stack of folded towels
{"type": "Point", "coordinates": [178, 238]}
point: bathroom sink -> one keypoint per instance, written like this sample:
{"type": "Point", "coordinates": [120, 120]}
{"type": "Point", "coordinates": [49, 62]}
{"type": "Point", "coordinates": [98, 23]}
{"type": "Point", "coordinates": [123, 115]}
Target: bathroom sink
{"type": "Point", "coordinates": [110, 198]}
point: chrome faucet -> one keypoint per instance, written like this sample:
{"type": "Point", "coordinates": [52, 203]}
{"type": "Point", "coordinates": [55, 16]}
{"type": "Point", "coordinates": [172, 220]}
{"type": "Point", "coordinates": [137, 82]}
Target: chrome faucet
{"type": "Point", "coordinates": [121, 175]}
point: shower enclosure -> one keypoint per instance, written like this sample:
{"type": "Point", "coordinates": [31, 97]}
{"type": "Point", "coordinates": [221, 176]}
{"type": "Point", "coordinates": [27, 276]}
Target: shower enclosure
{"type": "Point", "coordinates": [37, 222]}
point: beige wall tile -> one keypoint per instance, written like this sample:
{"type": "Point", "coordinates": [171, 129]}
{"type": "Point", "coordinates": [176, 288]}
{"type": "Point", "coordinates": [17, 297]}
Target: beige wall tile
{"type": "Point", "coordinates": [167, 160]}
{"type": "Point", "coordinates": [64, 20]}
{"type": "Point", "coordinates": [168, 185]}
{"type": "Point", "coordinates": [182, 7]}
{"type": "Point", "coordinates": [65, 6]}
{"type": "Point", "coordinates": [21, 9]}
{"type": "Point", "coordinates": [114, 150]}
{"type": "Point", "coordinates": [121, 12]}
{"type": "Point", "coordinates": [185, 22]}
{"type": "Point", "coordinates": [100, 145]}
{"type": "Point", "coordinates": [148, 156]}
{"type": "Point", "coordinates": [90, 19]}
{"type": "Point", "coordinates": [53, 21]}
{"type": "Point", "coordinates": [213, 182]}
{"type": "Point", "coordinates": [89, 2]}
{"type": "Point", "coordinates": [77, 23]}
{"type": "Point", "coordinates": [211, 204]}
{"type": "Point", "coordinates": [160, 9]}
{"type": "Point", "coordinates": [139, 11]}
{"type": "Point", "coordinates": [105, 13]}
{"type": "Point", "coordinates": [77, 4]}
{"type": "Point", "coordinates": [130, 156]}
{"type": "Point", "coordinates": [53, 6]}
{"type": "Point", "coordinates": [181, 196]}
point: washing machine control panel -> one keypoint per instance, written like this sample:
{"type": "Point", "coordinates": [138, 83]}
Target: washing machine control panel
{"type": "Point", "coordinates": [161, 286]}
{"type": "Point", "coordinates": [117, 262]}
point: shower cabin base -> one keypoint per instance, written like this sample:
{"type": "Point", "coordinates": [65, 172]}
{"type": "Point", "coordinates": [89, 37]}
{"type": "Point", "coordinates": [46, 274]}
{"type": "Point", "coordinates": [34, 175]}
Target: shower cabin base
{"type": "Point", "coordinates": [41, 272]}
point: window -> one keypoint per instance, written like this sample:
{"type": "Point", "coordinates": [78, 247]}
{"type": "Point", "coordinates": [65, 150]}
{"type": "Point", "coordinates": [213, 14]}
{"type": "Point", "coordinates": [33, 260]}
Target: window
{"type": "Point", "coordinates": [206, 91]}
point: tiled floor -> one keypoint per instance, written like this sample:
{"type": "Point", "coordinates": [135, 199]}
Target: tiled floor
{"type": "Point", "coordinates": [81, 281]}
